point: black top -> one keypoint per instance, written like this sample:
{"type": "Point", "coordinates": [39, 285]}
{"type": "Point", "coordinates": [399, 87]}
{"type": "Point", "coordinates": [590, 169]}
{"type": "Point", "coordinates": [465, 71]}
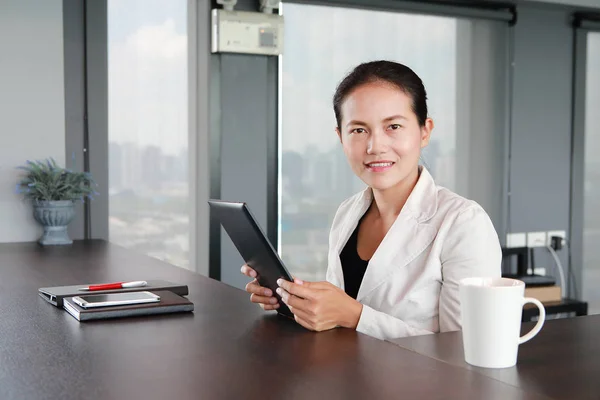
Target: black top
{"type": "Point", "coordinates": [353, 266]}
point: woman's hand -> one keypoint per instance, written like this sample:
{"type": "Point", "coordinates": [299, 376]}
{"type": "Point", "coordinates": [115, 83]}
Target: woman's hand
{"type": "Point", "coordinates": [319, 306]}
{"type": "Point", "coordinates": [261, 295]}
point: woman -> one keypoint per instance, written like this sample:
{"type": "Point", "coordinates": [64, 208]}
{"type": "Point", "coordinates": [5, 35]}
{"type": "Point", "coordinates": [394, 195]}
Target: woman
{"type": "Point", "coordinates": [398, 249]}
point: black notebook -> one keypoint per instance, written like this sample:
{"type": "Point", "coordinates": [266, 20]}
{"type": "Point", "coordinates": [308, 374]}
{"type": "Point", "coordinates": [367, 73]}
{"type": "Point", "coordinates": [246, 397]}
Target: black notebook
{"type": "Point", "coordinates": [169, 303]}
{"type": "Point", "coordinates": [55, 295]}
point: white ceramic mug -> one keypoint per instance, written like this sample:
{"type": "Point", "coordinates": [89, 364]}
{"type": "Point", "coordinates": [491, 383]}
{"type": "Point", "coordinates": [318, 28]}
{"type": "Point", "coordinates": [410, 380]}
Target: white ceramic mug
{"type": "Point", "coordinates": [491, 311]}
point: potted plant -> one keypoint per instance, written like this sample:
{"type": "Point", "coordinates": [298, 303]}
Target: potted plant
{"type": "Point", "coordinates": [52, 191]}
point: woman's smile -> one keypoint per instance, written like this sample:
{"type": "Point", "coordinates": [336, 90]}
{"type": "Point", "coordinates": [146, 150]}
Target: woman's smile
{"type": "Point", "coordinates": [379, 166]}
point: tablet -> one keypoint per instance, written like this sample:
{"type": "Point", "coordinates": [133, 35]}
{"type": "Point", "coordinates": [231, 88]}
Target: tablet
{"type": "Point", "coordinates": [253, 245]}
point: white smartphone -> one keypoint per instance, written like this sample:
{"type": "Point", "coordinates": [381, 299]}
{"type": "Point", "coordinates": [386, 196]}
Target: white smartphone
{"type": "Point", "coordinates": [115, 299]}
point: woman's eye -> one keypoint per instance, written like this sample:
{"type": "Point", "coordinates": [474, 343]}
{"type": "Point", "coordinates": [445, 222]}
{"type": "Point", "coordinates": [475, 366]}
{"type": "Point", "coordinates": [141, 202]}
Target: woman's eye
{"type": "Point", "coordinates": [395, 126]}
{"type": "Point", "coordinates": [358, 130]}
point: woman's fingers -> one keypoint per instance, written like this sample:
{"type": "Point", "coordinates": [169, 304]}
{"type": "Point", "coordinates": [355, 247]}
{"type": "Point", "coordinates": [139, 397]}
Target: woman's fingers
{"type": "Point", "coordinates": [263, 299]}
{"type": "Point", "coordinates": [249, 272]}
{"type": "Point", "coordinates": [258, 294]}
{"type": "Point", "coordinates": [261, 295]}
{"type": "Point", "coordinates": [269, 306]}
{"type": "Point", "coordinates": [254, 288]}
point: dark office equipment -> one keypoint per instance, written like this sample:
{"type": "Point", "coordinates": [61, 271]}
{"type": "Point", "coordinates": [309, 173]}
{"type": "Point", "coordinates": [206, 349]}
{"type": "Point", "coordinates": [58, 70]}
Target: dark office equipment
{"type": "Point", "coordinates": [523, 255]}
{"type": "Point", "coordinates": [565, 306]}
{"type": "Point", "coordinates": [524, 273]}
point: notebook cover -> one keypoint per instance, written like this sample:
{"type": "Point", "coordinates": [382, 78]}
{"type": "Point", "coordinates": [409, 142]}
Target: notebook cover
{"type": "Point", "coordinates": [169, 303]}
{"type": "Point", "coordinates": [55, 295]}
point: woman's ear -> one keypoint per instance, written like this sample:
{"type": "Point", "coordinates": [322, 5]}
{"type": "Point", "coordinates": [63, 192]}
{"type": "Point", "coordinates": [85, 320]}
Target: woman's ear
{"type": "Point", "coordinates": [337, 130]}
{"type": "Point", "coordinates": [426, 132]}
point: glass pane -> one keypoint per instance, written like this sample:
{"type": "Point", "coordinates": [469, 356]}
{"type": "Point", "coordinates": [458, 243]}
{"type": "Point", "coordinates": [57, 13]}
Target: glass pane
{"type": "Point", "coordinates": [147, 103]}
{"type": "Point", "coordinates": [591, 198]}
{"type": "Point", "coordinates": [314, 172]}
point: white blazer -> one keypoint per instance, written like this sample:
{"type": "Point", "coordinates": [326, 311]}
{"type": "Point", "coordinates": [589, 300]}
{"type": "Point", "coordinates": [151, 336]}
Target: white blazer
{"type": "Point", "coordinates": [410, 286]}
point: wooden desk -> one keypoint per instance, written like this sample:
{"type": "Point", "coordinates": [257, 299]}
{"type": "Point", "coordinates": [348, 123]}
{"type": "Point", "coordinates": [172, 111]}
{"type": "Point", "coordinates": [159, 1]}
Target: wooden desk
{"type": "Point", "coordinates": [562, 361]}
{"type": "Point", "coordinates": [227, 349]}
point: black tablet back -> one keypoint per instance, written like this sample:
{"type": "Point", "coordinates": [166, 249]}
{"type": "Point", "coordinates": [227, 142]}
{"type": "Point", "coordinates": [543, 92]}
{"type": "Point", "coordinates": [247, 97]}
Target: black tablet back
{"type": "Point", "coordinates": [252, 244]}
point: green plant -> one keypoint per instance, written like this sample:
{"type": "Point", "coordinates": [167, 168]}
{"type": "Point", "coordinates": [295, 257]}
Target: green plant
{"type": "Point", "coordinates": [44, 180]}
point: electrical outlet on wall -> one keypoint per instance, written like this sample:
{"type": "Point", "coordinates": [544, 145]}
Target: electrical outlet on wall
{"type": "Point", "coordinates": [536, 239]}
{"type": "Point", "coordinates": [562, 234]}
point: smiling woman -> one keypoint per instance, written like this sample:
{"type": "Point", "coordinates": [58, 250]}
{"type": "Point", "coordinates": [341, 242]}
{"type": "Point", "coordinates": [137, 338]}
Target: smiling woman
{"type": "Point", "coordinates": [398, 249]}
{"type": "Point", "coordinates": [387, 106]}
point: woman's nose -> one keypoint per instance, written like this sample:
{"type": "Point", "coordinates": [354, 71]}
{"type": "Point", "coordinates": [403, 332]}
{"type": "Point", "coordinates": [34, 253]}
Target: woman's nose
{"type": "Point", "coordinates": [377, 143]}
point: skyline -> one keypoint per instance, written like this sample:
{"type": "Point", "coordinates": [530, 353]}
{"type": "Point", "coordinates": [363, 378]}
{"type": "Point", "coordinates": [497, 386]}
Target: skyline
{"type": "Point", "coordinates": [147, 73]}
{"type": "Point", "coordinates": [313, 65]}
{"type": "Point", "coordinates": [148, 69]}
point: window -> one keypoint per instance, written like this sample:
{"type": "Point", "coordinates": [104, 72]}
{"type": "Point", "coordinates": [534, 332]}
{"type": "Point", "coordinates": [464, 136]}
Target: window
{"type": "Point", "coordinates": [148, 134]}
{"type": "Point", "coordinates": [591, 196]}
{"type": "Point", "coordinates": [321, 45]}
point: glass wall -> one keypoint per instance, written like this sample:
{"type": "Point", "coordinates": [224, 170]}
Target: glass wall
{"type": "Point", "coordinates": [148, 133]}
{"type": "Point", "coordinates": [591, 230]}
{"type": "Point", "coordinates": [322, 44]}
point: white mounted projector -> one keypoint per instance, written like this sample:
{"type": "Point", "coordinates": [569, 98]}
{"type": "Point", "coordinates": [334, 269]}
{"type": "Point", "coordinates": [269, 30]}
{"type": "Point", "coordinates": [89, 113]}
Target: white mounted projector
{"type": "Point", "coordinates": [246, 32]}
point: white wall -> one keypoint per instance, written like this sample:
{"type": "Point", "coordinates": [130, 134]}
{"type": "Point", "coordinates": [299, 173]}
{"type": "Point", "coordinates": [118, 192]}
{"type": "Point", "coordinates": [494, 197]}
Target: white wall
{"type": "Point", "coordinates": [32, 103]}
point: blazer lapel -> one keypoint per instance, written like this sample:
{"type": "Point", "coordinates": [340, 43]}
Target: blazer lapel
{"type": "Point", "coordinates": [357, 210]}
{"type": "Point", "coordinates": [408, 237]}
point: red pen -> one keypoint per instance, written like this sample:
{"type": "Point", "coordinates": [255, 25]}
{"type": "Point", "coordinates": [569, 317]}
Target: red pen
{"type": "Point", "coordinates": [115, 285]}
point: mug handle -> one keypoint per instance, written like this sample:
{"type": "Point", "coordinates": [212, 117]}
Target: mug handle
{"type": "Point", "coordinates": [540, 322]}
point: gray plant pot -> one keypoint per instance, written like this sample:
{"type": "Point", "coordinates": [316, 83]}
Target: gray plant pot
{"type": "Point", "coordinates": [54, 216]}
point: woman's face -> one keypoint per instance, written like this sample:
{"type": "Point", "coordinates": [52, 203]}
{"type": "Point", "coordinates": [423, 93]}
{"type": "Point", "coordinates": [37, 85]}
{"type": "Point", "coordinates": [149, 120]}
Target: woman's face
{"type": "Point", "coordinates": [380, 134]}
